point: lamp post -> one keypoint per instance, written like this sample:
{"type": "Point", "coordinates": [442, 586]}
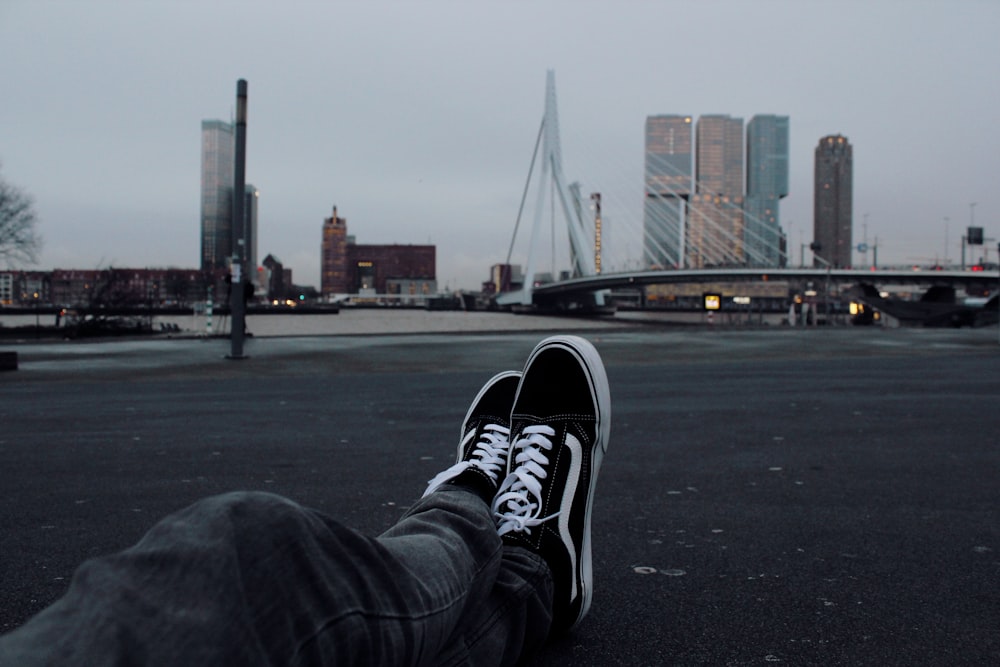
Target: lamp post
{"type": "Point", "coordinates": [972, 223]}
{"type": "Point", "coordinates": [237, 302]}
{"type": "Point", "coordinates": [865, 239]}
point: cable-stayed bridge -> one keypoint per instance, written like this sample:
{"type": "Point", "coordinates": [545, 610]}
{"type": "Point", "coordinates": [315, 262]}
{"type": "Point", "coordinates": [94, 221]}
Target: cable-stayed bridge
{"type": "Point", "coordinates": [584, 241]}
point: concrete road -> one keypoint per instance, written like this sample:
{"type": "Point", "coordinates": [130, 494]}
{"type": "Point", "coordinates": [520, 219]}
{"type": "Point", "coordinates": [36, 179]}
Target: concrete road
{"type": "Point", "coordinates": [805, 497]}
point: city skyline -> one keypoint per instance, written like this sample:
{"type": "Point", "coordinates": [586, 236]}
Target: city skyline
{"type": "Point", "coordinates": [717, 188]}
{"type": "Point", "coordinates": [425, 134]}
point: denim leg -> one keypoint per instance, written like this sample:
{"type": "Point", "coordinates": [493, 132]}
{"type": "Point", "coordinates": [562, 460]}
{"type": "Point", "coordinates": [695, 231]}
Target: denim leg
{"type": "Point", "coordinates": [512, 622]}
{"type": "Point", "coordinates": [254, 579]}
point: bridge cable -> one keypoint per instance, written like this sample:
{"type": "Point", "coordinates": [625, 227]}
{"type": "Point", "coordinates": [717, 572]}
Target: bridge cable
{"type": "Point", "coordinates": [527, 185]}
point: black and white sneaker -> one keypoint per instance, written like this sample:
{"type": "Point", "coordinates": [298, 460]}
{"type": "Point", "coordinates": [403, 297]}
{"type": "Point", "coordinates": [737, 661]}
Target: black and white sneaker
{"type": "Point", "coordinates": [484, 442]}
{"type": "Point", "coordinates": [560, 425]}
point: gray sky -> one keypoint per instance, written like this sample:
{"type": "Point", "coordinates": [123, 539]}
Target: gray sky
{"type": "Point", "coordinates": [417, 119]}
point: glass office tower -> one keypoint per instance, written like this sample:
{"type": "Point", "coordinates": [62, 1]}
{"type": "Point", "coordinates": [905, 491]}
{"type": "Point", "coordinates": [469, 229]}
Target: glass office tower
{"type": "Point", "coordinates": [217, 148]}
{"type": "Point", "coordinates": [767, 184]}
{"type": "Point", "coordinates": [715, 217]}
{"type": "Point", "coordinates": [668, 175]}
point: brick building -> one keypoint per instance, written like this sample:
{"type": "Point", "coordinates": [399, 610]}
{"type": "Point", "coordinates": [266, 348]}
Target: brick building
{"type": "Point", "coordinates": [85, 288]}
{"type": "Point", "coordinates": [351, 268]}
{"type": "Point", "coordinates": [333, 261]}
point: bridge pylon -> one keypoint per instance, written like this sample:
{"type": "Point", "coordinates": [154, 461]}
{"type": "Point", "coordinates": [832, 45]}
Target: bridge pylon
{"type": "Point", "coordinates": [552, 187]}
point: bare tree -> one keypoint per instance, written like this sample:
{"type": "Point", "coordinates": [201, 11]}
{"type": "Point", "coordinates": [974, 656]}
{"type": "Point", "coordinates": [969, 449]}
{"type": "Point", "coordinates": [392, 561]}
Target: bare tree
{"type": "Point", "coordinates": [18, 239]}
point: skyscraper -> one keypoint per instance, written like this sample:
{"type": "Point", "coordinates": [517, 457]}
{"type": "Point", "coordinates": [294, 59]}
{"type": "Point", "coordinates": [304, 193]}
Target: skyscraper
{"type": "Point", "coordinates": [767, 183]}
{"type": "Point", "coordinates": [668, 158]}
{"type": "Point", "coordinates": [832, 202]}
{"type": "Point", "coordinates": [333, 261]}
{"type": "Point", "coordinates": [715, 218]}
{"type": "Point", "coordinates": [217, 147]}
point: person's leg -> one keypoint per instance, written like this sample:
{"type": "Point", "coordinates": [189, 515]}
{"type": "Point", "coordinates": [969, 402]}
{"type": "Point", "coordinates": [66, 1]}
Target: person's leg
{"type": "Point", "coordinates": [512, 618]}
{"type": "Point", "coordinates": [256, 579]}
{"type": "Point", "coordinates": [507, 608]}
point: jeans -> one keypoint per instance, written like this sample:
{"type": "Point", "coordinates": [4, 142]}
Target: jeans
{"type": "Point", "coordinates": [255, 579]}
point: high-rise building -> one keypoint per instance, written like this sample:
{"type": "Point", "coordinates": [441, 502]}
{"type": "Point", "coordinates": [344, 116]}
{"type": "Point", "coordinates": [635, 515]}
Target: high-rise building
{"type": "Point", "coordinates": [832, 202]}
{"type": "Point", "coordinates": [767, 184]}
{"type": "Point", "coordinates": [715, 217]}
{"type": "Point", "coordinates": [217, 148]}
{"type": "Point", "coordinates": [668, 159]}
{"type": "Point", "coordinates": [333, 263]}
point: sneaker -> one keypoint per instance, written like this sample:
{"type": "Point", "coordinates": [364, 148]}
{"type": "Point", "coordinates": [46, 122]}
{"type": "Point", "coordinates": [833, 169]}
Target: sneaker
{"type": "Point", "coordinates": [484, 442]}
{"type": "Point", "coordinates": [560, 425]}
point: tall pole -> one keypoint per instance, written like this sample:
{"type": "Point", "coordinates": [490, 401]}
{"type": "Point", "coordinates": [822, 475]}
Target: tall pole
{"type": "Point", "coordinates": [946, 222]}
{"type": "Point", "coordinates": [865, 240]}
{"type": "Point", "coordinates": [237, 302]}
{"type": "Point", "coordinates": [972, 223]}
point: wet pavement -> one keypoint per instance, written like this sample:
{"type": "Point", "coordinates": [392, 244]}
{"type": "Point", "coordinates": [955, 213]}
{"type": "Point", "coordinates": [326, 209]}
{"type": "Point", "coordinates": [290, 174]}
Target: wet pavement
{"type": "Point", "coordinates": [797, 496]}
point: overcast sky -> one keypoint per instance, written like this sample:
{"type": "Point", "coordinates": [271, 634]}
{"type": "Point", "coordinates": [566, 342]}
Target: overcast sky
{"type": "Point", "coordinates": [418, 119]}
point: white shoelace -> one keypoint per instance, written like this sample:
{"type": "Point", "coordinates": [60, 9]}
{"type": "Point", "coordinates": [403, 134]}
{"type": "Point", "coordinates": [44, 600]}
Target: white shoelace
{"type": "Point", "coordinates": [519, 499]}
{"type": "Point", "coordinates": [489, 455]}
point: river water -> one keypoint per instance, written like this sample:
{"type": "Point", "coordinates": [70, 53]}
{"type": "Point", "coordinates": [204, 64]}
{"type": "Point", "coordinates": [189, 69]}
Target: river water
{"type": "Point", "coordinates": [355, 321]}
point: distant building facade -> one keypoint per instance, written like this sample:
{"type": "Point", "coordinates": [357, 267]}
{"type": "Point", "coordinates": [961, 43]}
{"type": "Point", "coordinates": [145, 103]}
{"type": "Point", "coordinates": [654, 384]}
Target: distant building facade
{"type": "Point", "coordinates": [333, 257]}
{"type": "Point", "coordinates": [715, 217]}
{"type": "Point", "coordinates": [112, 288]}
{"type": "Point", "coordinates": [6, 289]}
{"type": "Point", "coordinates": [277, 279]}
{"type": "Point", "coordinates": [220, 234]}
{"type": "Point", "coordinates": [767, 184]}
{"type": "Point", "coordinates": [395, 269]}
{"type": "Point", "coordinates": [250, 202]}
{"type": "Point", "coordinates": [25, 288]}
{"type": "Point", "coordinates": [217, 153]}
{"type": "Point", "coordinates": [668, 186]}
{"type": "Point", "coordinates": [503, 278]}
{"type": "Point", "coordinates": [833, 202]}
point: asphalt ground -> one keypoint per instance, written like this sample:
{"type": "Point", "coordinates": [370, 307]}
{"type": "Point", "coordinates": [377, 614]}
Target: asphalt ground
{"type": "Point", "coordinates": [797, 496]}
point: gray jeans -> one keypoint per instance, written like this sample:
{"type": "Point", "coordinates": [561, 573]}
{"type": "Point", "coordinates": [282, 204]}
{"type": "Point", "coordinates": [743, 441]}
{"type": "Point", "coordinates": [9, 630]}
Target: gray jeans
{"type": "Point", "coordinates": [255, 579]}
